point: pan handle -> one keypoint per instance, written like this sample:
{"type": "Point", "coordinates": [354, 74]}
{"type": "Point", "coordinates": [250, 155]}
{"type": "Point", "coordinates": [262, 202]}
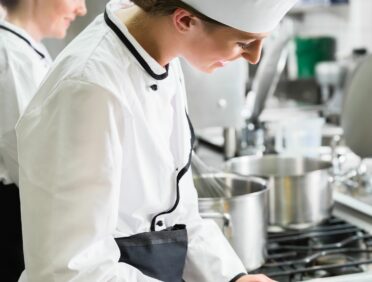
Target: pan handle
{"type": "Point", "coordinates": [226, 229]}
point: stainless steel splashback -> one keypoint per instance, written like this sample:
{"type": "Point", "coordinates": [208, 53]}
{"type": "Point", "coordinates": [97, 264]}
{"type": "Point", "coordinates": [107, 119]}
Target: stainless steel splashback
{"type": "Point", "coordinates": [216, 99]}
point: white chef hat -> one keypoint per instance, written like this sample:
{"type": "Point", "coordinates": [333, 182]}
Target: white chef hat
{"type": "Point", "coordinates": [253, 16]}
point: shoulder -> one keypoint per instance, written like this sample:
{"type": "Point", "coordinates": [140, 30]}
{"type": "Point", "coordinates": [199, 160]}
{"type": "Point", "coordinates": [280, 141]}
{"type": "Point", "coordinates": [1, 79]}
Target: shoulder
{"type": "Point", "coordinates": [92, 57]}
{"type": "Point", "coordinates": [15, 54]}
{"type": "Point", "coordinates": [4, 57]}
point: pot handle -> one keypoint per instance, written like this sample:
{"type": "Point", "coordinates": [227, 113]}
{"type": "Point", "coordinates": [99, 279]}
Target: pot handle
{"type": "Point", "coordinates": [226, 229]}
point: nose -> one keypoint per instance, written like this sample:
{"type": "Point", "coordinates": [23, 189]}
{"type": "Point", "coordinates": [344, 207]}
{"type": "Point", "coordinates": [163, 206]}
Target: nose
{"type": "Point", "coordinates": [81, 8]}
{"type": "Point", "coordinates": [253, 54]}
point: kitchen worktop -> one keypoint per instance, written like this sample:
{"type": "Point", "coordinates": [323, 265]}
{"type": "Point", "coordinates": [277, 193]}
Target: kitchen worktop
{"type": "Point", "coordinates": [359, 277]}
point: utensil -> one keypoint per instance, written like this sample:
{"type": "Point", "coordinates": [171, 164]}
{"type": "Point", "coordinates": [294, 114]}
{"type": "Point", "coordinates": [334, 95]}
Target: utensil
{"type": "Point", "coordinates": [207, 187]}
{"type": "Point", "coordinates": [300, 194]}
{"type": "Point", "coordinates": [244, 215]}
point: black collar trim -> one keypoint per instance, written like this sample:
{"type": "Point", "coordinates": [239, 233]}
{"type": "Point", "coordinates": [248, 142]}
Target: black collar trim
{"type": "Point", "coordinates": [24, 39]}
{"type": "Point", "coordinates": [133, 50]}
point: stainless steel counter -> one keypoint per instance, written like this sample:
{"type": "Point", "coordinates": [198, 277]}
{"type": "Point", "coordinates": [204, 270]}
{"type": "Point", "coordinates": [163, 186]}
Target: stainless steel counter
{"type": "Point", "coordinates": [359, 277]}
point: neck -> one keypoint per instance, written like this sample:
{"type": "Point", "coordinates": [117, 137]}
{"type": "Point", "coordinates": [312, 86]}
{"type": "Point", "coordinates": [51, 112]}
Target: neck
{"type": "Point", "coordinates": [153, 33]}
{"type": "Point", "coordinates": [24, 18]}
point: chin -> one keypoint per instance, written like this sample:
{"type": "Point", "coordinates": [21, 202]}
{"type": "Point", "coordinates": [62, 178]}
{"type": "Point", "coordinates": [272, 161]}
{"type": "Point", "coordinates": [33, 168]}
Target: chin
{"type": "Point", "coordinates": [206, 69]}
{"type": "Point", "coordinates": [59, 33]}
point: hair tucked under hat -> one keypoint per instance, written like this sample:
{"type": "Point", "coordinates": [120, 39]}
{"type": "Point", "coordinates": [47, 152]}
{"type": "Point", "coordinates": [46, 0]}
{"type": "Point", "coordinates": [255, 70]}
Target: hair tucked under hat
{"type": "Point", "coordinates": [9, 4]}
{"type": "Point", "coordinates": [167, 7]}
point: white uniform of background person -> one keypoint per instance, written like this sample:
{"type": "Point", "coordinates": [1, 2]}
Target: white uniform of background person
{"type": "Point", "coordinates": [22, 67]}
{"type": "Point", "coordinates": [100, 147]}
{"type": "Point", "coordinates": [24, 63]}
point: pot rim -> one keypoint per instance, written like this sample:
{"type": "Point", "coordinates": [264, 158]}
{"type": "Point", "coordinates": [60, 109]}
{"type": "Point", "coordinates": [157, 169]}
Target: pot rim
{"type": "Point", "coordinates": [255, 179]}
{"type": "Point", "coordinates": [325, 165]}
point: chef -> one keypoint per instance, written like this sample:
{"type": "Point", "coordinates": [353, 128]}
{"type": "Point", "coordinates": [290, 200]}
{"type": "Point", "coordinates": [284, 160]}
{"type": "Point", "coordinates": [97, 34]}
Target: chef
{"type": "Point", "coordinates": [105, 145]}
{"type": "Point", "coordinates": [24, 61]}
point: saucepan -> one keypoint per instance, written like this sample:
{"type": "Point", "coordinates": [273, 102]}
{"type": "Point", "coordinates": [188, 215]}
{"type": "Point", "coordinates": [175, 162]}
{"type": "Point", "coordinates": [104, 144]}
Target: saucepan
{"type": "Point", "coordinates": [243, 214]}
{"type": "Point", "coordinates": [300, 193]}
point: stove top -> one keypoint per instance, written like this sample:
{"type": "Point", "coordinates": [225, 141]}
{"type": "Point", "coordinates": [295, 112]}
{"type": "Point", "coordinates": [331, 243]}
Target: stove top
{"type": "Point", "coordinates": [331, 249]}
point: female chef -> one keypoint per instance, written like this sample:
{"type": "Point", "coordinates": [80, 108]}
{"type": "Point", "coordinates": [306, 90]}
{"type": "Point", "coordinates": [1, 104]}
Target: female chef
{"type": "Point", "coordinates": [105, 145]}
{"type": "Point", "coordinates": [23, 63]}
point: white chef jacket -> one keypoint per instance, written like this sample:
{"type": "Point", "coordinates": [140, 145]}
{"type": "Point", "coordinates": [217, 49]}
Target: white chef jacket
{"type": "Point", "coordinates": [100, 147]}
{"type": "Point", "coordinates": [23, 65]}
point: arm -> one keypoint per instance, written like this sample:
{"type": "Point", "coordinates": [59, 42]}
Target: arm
{"type": "Point", "coordinates": [17, 89]}
{"type": "Point", "coordinates": [210, 256]}
{"type": "Point", "coordinates": [70, 174]}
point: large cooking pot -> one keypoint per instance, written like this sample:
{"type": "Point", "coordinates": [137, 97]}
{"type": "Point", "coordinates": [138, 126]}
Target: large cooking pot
{"type": "Point", "coordinates": [300, 194]}
{"type": "Point", "coordinates": [243, 213]}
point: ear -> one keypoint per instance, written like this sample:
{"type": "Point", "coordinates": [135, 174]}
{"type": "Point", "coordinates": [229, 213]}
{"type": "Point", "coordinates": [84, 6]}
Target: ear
{"type": "Point", "coordinates": [183, 20]}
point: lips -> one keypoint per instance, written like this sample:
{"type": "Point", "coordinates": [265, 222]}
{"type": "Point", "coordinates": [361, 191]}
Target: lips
{"type": "Point", "coordinates": [69, 20]}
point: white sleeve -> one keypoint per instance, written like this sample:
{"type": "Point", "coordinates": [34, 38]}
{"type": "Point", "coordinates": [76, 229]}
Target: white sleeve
{"type": "Point", "coordinates": [17, 87]}
{"type": "Point", "coordinates": [70, 172]}
{"type": "Point", "coordinates": [210, 256]}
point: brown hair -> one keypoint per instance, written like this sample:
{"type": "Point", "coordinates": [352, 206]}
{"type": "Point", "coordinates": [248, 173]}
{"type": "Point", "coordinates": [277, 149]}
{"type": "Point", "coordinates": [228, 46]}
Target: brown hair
{"type": "Point", "coordinates": [167, 7]}
{"type": "Point", "coordinates": [9, 4]}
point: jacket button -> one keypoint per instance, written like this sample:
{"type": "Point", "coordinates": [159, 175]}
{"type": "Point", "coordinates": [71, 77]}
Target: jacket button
{"type": "Point", "coordinates": [159, 223]}
{"type": "Point", "coordinates": [154, 87]}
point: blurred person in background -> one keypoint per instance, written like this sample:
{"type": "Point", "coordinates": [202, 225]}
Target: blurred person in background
{"type": "Point", "coordinates": [2, 12]}
{"type": "Point", "coordinates": [105, 145]}
{"type": "Point", "coordinates": [24, 62]}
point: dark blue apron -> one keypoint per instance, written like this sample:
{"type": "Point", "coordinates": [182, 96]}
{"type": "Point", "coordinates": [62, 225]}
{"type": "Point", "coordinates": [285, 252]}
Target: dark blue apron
{"type": "Point", "coordinates": [11, 249]}
{"type": "Point", "coordinates": [159, 254]}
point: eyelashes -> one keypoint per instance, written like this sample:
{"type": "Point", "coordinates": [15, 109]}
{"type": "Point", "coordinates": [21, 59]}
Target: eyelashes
{"type": "Point", "coordinates": [244, 46]}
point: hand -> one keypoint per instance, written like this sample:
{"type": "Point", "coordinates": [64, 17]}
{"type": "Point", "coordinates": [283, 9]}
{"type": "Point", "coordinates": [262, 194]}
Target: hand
{"type": "Point", "coordinates": [255, 278]}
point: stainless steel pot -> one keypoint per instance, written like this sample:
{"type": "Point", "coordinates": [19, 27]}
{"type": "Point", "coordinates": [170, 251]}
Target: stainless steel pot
{"type": "Point", "coordinates": [300, 194]}
{"type": "Point", "coordinates": [243, 214]}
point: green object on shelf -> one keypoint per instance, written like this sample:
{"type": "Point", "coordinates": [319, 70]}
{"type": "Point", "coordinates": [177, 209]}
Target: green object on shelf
{"type": "Point", "coordinates": [312, 50]}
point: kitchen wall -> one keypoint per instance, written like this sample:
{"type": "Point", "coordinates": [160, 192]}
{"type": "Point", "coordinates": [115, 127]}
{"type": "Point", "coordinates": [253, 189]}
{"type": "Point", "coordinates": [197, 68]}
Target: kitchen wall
{"type": "Point", "coordinates": [351, 24]}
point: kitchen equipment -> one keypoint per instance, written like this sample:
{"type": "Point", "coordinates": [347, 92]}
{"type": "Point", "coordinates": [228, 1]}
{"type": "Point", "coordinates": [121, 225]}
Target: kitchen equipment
{"type": "Point", "coordinates": [268, 72]}
{"type": "Point", "coordinates": [299, 136]}
{"type": "Point", "coordinates": [217, 100]}
{"type": "Point", "coordinates": [300, 194]}
{"type": "Point", "coordinates": [245, 210]}
{"type": "Point", "coordinates": [207, 187]}
{"type": "Point", "coordinates": [335, 248]}
{"type": "Point", "coordinates": [357, 110]}
{"type": "Point", "coordinates": [331, 77]}
{"type": "Point", "coordinates": [312, 50]}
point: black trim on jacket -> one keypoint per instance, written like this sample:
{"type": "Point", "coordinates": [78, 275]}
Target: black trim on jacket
{"type": "Point", "coordinates": [24, 39]}
{"type": "Point", "coordinates": [133, 50]}
{"type": "Point", "coordinates": [237, 277]}
{"type": "Point", "coordinates": [179, 175]}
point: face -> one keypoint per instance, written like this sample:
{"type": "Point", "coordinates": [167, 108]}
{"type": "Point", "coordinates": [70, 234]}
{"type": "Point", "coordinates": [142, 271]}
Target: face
{"type": "Point", "coordinates": [55, 16]}
{"type": "Point", "coordinates": [212, 48]}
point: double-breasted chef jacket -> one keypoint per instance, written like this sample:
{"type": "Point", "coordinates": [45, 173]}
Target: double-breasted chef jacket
{"type": "Point", "coordinates": [100, 147]}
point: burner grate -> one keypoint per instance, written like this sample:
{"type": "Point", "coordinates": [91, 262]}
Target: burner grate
{"type": "Point", "coordinates": [330, 249]}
